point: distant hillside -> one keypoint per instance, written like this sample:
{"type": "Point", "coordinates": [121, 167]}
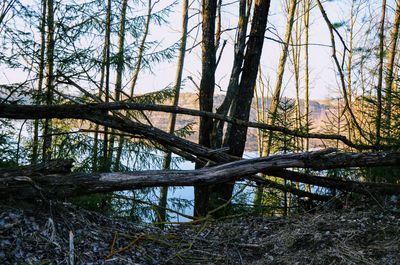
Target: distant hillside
{"type": "Point", "coordinates": [318, 110]}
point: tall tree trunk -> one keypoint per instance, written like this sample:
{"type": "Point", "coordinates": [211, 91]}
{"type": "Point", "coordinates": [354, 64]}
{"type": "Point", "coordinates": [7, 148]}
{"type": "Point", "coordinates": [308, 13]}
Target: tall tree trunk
{"type": "Point", "coordinates": [47, 138]}
{"type": "Point", "coordinates": [141, 48]}
{"type": "Point", "coordinates": [233, 86]}
{"type": "Point", "coordinates": [306, 18]}
{"type": "Point", "coordinates": [378, 124]}
{"type": "Point", "coordinates": [172, 121]}
{"type": "Point", "coordinates": [105, 165]}
{"type": "Point", "coordinates": [261, 118]}
{"type": "Point", "coordinates": [389, 68]}
{"type": "Point", "coordinates": [353, 17]}
{"type": "Point", "coordinates": [296, 55]}
{"type": "Point", "coordinates": [209, 8]}
{"type": "Point", "coordinates": [281, 70]}
{"type": "Point", "coordinates": [236, 135]}
{"type": "Point", "coordinates": [118, 79]}
{"type": "Point", "coordinates": [38, 95]}
{"type": "Point", "coordinates": [101, 94]}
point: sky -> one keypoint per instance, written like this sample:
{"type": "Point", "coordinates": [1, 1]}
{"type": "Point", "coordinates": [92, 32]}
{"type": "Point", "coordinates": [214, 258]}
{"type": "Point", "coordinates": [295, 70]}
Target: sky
{"type": "Point", "coordinates": [320, 60]}
{"type": "Point", "coordinates": [323, 73]}
{"type": "Point", "coordinates": [323, 79]}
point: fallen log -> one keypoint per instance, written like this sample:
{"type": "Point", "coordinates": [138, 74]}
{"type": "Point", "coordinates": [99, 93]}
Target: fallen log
{"type": "Point", "coordinates": [85, 111]}
{"type": "Point", "coordinates": [99, 116]}
{"type": "Point", "coordinates": [58, 166]}
{"type": "Point", "coordinates": [366, 188]}
{"type": "Point", "coordinates": [61, 186]}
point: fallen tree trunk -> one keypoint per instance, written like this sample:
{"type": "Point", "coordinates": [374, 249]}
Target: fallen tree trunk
{"type": "Point", "coordinates": [59, 166]}
{"type": "Point", "coordinates": [61, 186]}
{"type": "Point", "coordinates": [80, 111]}
{"type": "Point", "coordinates": [100, 116]}
{"type": "Point", "coordinates": [366, 188]}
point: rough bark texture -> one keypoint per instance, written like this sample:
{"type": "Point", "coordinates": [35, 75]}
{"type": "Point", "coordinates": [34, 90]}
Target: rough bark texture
{"type": "Point", "coordinates": [236, 135]}
{"type": "Point", "coordinates": [207, 82]}
{"type": "Point", "coordinates": [233, 86]}
{"type": "Point", "coordinates": [60, 186]}
{"type": "Point", "coordinates": [206, 94]}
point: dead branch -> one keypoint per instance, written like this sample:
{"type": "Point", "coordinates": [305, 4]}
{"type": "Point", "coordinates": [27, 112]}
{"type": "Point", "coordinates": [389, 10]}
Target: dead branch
{"type": "Point", "coordinates": [79, 111]}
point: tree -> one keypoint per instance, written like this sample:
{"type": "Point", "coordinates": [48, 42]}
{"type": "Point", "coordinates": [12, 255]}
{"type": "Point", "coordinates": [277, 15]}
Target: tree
{"type": "Point", "coordinates": [235, 137]}
{"type": "Point", "coordinates": [172, 121]}
{"type": "Point", "coordinates": [49, 79]}
{"type": "Point", "coordinates": [281, 69]}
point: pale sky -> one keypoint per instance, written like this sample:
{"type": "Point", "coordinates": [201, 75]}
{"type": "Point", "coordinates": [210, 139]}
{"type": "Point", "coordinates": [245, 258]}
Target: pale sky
{"type": "Point", "coordinates": [323, 83]}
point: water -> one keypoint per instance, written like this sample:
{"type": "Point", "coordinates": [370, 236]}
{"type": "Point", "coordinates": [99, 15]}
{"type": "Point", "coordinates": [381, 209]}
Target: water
{"type": "Point", "coordinates": [187, 193]}
{"type": "Point", "coordinates": [181, 199]}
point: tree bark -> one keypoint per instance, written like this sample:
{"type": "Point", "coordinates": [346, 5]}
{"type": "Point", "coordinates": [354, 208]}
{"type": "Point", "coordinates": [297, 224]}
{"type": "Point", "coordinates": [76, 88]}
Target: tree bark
{"type": "Point", "coordinates": [392, 51]}
{"type": "Point", "coordinates": [61, 186]}
{"type": "Point", "coordinates": [206, 94]}
{"type": "Point", "coordinates": [38, 95]}
{"type": "Point", "coordinates": [233, 86]}
{"type": "Point", "coordinates": [47, 138]}
{"type": "Point", "coordinates": [118, 79]}
{"type": "Point", "coordinates": [378, 120]}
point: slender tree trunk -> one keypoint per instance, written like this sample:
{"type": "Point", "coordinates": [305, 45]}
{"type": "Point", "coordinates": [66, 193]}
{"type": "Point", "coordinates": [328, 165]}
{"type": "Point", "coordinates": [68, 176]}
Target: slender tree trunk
{"type": "Point", "coordinates": [209, 8]}
{"type": "Point", "coordinates": [118, 79]}
{"type": "Point", "coordinates": [380, 74]}
{"type": "Point", "coordinates": [349, 65]}
{"type": "Point", "coordinates": [296, 55]}
{"type": "Point", "coordinates": [106, 84]}
{"type": "Point", "coordinates": [259, 194]}
{"type": "Point", "coordinates": [281, 70]}
{"type": "Point", "coordinates": [347, 106]}
{"type": "Point", "coordinates": [101, 94]}
{"type": "Point", "coordinates": [306, 18]}
{"type": "Point", "coordinates": [172, 121]}
{"type": "Point", "coordinates": [47, 138]}
{"type": "Point", "coordinates": [120, 54]}
{"type": "Point", "coordinates": [233, 86]}
{"type": "Point", "coordinates": [389, 68]}
{"type": "Point", "coordinates": [236, 135]}
{"type": "Point", "coordinates": [141, 48]}
{"type": "Point", "coordinates": [38, 95]}
{"type": "Point", "coordinates": [218, 27]}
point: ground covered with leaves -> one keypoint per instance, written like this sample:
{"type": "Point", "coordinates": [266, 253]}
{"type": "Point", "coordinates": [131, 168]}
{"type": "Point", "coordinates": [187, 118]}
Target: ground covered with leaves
{"type": "Point", "coordinates": [46, 234]}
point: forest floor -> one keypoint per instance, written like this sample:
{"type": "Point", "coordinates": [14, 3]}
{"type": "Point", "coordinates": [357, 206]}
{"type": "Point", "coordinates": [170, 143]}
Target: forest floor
{"type": "Point", "coordinates": [41, 235]}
